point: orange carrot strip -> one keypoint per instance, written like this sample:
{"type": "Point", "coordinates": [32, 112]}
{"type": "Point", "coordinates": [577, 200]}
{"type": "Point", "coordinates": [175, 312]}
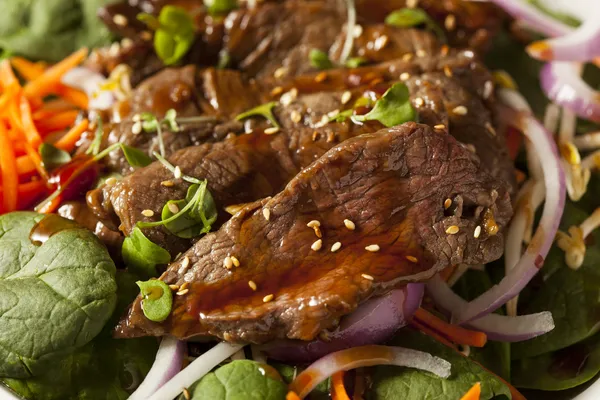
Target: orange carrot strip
{"type": "Point", "coordinates": [36, 160]}
{"type": "Point", "coordinates": [14, 115]}
{"type": "Point", "coordinates": [51, 206]}
{"type": "Point", "coordinates": [43, 84]}
{"type": "Point", "coordinates": [31, 133]}
{"type": "Point", "coordinates": [27, 69]}
{"type": "Point", "coordinates": [69, 140]}
{"type": "Point", "coordinates": [73, 96]}
{"type": "Point", "coordinates": [25, 165]}
{"type": "Point", "coordinates": [57, 122]}
{"type": "Point", "coordinates": [455, 333]}
{"type": "Point", "coordinates": [46, 112]}
{"type": "Point", "coordinates": [10, 179]}
{"type": "Point", "coordinates": [292, 396]}
{"type": "Point", "coordinates": [474, 393]}
{"type": "Point", "coordinates": [27, 192]}
{"type": "Point", "coordinates": [338, 391]}
{"type": "Point", "coordinates": [7, 76]}
{"type": "Point", "coordinates": [430, 332]}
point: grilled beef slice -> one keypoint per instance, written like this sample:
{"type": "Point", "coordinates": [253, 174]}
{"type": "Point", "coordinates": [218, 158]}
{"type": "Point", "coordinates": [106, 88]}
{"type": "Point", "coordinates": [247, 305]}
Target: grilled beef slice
{"type": "Point", "coordinates": [392, 184]}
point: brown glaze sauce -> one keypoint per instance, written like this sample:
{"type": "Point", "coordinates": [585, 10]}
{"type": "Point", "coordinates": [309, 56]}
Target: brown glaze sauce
{"type": "Point", "coordinates": [50, 225]}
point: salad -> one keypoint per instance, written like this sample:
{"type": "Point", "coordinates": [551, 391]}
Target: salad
{"type": "Point", "coordinates": [299, 199]}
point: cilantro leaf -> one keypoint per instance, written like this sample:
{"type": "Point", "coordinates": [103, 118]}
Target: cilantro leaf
{"type": "Point", "coordinates": [393, 108]}
{"type": "Point", "coordinates": [264, 110]}
{"type": "Point", "coordinates": [52, 156]}
{"type": "Point", "coordinates": [319, 59]}
{"type": "Point", "coordinates": [216, 7]}
{"type": "Point", "coordinates": [193, 215]}
{"type": "Point", "coordinates": [412, 17]}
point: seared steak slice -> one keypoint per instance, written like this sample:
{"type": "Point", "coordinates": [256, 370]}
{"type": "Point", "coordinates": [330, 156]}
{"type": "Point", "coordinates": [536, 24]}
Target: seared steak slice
{"type": "Point", "coordinates": [391, 184]}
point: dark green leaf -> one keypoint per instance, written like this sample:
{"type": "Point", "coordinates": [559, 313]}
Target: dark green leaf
{"type": "Point", "coordinates": [94, 148]}
{"type": "Point", "coordinates": [356, 62]}
{"type": "Point", "coordinates": [393, 108]}
{"type": "Point", "coordinates": [216, 7]}
{"type": "Point", "coordinates": [52, 156]}
{"type": "Point", "coordinates": [57, 290]}
{"type": "Point", "coordinates": [239, 380]}
{"type": "Point", "coordinates": [397, 383]}
{"type": "Point", "coordinates": [135, 157]}
{"type": "Point", "coordinates": [264, 110]}
{"type": "Point", "coordinates": [197, 212]}
{"type": "Point", "coordinates": [157, 299]}
{"type": "Point", "coordinates": [142, 255]}
{"type": "Point", "coordinates": [319, 59]}
{"type": "Point", "coordinates": [412, 17]}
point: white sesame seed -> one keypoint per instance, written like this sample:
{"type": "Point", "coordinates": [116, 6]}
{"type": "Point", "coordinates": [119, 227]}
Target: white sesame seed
{"type": "Point", "coordinates": [126, 43]}
{"type": "Point", "coordinates": [295, 116]}
{"type": "Point", "coordinates": [185, 263]}
{"type": "Point", "coordinates": [173, 207]}
{"type": "Point", "coordinates": [450, 22]}
{"type": "Point", "coordinates": [419, 102]}
{"type": "Point", "coordinates": [447, 203]}
{"type": "Point", "coordinates": [477, 232]}
{"type": "Point", "coordinates": [252, 285]}
{"type": "Point", "coordinates": [272, 130]}
{"type": "Point", "coordinates": [136, 128]}
{"type": "Point", "coordinates": [358, 30]}
{"type": "Point", "coordinates": [114, 49]}
{"type": "Point", "coordinates": [174, 287]}
{"type": "Point", "coordinates": [367, 276]}
{"type": "Point", "coordinates": [421, 53]}
{"type": "Point", "coordinates": [184, 286]}
{"type": "Point", "coordinates": [490, 128]}
{"type": "Point", "coordinates": [349, 224]}
{"type": "Point", "coordinates": [372, 248]}
{"type": "Point", "coordinates": [316, 246]}
{"type": "Point", "coordinates": [488, 88]}
{"type": "Point", "coordinates": [136, 118]}
{"type": "Point", "coordinates": [452, 230]}
{"type": "Point", "coordinates": [336, 246]}
{"type": "Point", "coordinates": [110, 181]}
{"type": "Point", "coordinates": [182, 292]}
{"type": "Point", "coordinates": [280, 72]}
{"type": "Point", "coordinates": [266, 213]}
{"type": "Point", "coordinates": [167, 183]}
{"type": "Point", "coordinates": [333, 113]}
{"type": "Point", "coordinates": [407, 57]}
{"type": "Point", "coordinates": [404, 76]}
{"type": "Point", "coordinates": [177, 172]}
{"type": "Point", "coordinates": [412, 259]}
{"type": "Point", "coordinates": [439, 127]}
{"type": "Point", "coordinates": [120, 19]}
{"type": "Point", "coordinates": [268, 298]}
{"type": "Point", "coordinates": [380, 42]}
{"type": "Point", "coordinates": [288, 97]}
{"type": "Point", "coordinates": [313, 224]}
{"type": "Point", "coordinates": [330, 136]}
{"type": "Point", "coordinates": [346, 97]}
{"type": "Point", "coordinates": [227, 262]}
{"type": "Point", "coordinates": [148, 213]}
{"type": "Point", "coordinates": [460, 110]}
{"type": "Point", "coordinates": [235, 261]}
{"type": "Point", "coordinates": [186, 394]}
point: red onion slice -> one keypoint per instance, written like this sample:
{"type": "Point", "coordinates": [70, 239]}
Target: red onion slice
{"type": "Point", "coordinates": [563, 85]}
{"type": "Point", "coordinates": [496, 327]}
{"type": "Point", "coordinates": [534, 18]}
{"type": "Point", "coordinates": [168, 362]}
{"type": "Point", "coordinates": [366, 356]}
{"type": "Point", "coordinates": [533, 258]}
{"type": "Point", "coordinates": [373, 322]}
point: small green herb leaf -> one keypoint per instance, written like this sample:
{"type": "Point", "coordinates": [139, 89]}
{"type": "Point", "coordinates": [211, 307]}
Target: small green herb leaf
{"type": "Point", "coordinates": [224, 59]}
{"type": "Point", "coordinates": [142, 255]}
{"type": "Point", "coordinates": [94, 148]}
{"type": "Point", "coordinates": [411, 17]}
{"type": "Point", "coordinates": [192, 216]}
{"type": "Point", "coordinates": [52, 156]}
{"type": "Point", "coordinates": [393, 108]}
{"type": "Point", "coordinates": [264, 110]}
{"type": "Point", "coordinates": [157, 299]}
{"type": "Point", "coordinates": [135, 157]}
{"type": "Point", "coordinates": [342, 116]}
{"type": "Point", "coordinates": [170, 120]}
{"type": "Point", "coordinates": [220, 6]}
{"type": "Point", "coordinates": [319, 59]}
{"type": "Point", "coordinates": [356, 62]}
{"type": "Point", "coordinates": [149, 122]}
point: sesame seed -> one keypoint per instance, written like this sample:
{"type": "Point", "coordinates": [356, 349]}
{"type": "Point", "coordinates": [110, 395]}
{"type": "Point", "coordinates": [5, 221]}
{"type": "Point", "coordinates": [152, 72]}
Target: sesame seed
{"type": "Point", "coordinates": [460, 110]}
{"type": "Point", "coordinates": [136, 118]}
{"type": "Point", "coordinates": [367, 276]}
{"type": "Point", "coordinates": [448, 71]}
{"type": "Point", "coordinates": [280, 72]}
{"type": "Point", "coordinates": [471, 148]}
{"type": "Point", "coordinates": [439, 127]}
{"type": "Point", "coordinates": [120, 19]}
{"type": "Point", "coordinates": [316, 246]}
{"type": "Point", "coordinates": [177, 172]}
{"type": "Point", "coordinates": [185, 262]}
{"type": "Point", "coordinates": [295, 116]}
{"type": "Point", "coordinates": [412, 259]}
{"type": "Point", "coordinates": [421, 53]}
{"type": "Point", "coordinates": [407, 57]}
{"type": "Point", "coordinates": [330, 136]}
{"type": "Point", "coordinates": [114, 49]}
{"type": "Point", "coordinates": [488, 88]}
{"type": "Point", "coordinates": [358, 30]}
{"type": "Point", "coordinates": [276, 90]}
{"type": "Point", "coordinates": [372, 248]}
{"type": "Point", "coordinates": [184, 286]}
{"type": "Point", "coordinates": [235, 261]}
{"type": "Point", "coordinates": [452, 230]}
{"type": "Point", "coordinates": [126, 43]}
{"type": "Point", "coordinates": [336, 246]}
{"type": "Point", "coordinates": [173, 207]}
{"type": "Point", "coordinates": [227, 262]}
{"type": "Point", "coordinates": [186, 394]}
{"type": "Point", "coordinates": [313, 224]}
{"type": "Point", "coordinates": [404, 76]}
{"type": "Point", "coordinates": [419, 102]}
{"type": "Point", "coordinates": [349, 224]}
{"type": "Point", "coordinates": [477, 232]}
{"type": "Point", "coordinates": [321, 77]}
{"type": "Point", "coordinates": [490, 128]}
{"type": "Point", "coordinates": [447, 203]}
{"type": "Point", "coordinates": [333, 113]}
{"type": "Point", "coordinates": [450, 22]}
{"type": "Point", "coordinates": [380, 42]}
{"type": "Point", "coordinates": [272, 130]}
{"type": "Point", "coordinates": [266, 213]}
{"type": "Point", "coordinates": [252, 285]}
{"type": "Point", "coordinates": [268, 298]}
{"type": "Point", "coordinates": [346, 97]}
{"type": "Point", "coordinates": [136, 128]}
{"type": "Point", "coordinates": [174, 287]}
{"type": "Point", "coordinates": [110, 181]}
{"type": "Point", "coordinates": [182, 292]}
{"type": "Point", "coordinates": [148, 213]}
{"type": "Point", "coordinates": [288, 97]}
{"type": "Point", "coordinates": [315, 136]}
{"type": "Point", "coordinates": [412, 3]}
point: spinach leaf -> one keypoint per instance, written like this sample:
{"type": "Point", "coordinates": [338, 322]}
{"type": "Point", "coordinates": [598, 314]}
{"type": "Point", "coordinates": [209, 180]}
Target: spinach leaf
{"type": "Point", "coordinates": [559, 370]}
{"type": "Point", "coordinates": [51, 30]}
{"type": "Point", "coordinates": [356, 62]}
{"type": "Point", "coordinates": [264, 110]}
{"type": "Point", "coordinates": [52, 156]}
{"type": "Point", "coordinates": [56, 294]}
{"type": "Point", "coordinates": [397, 383]}
{"type": "Point", "coordinates": [142, 255]}
{"type": "Point", "coordinates": [393, 108]}
{"type": "Point", "coordinates": [239, 380]}
{"type": "Point", "coordinates": [573, 297]}
{"type": "Point", "coordinates": [192, 216]}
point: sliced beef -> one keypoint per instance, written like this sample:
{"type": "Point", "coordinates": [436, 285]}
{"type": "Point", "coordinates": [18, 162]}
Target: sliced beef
{"type": "Point", "coordinates": [392, 184]}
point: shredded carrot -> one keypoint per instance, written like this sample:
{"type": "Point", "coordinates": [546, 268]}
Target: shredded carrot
{"type": "Point", "coordinates": [35, 158]}
{"type": "Point", "coordinates": [27, 69]}
{"type": "Point", "coordinates": [47, 112]}
{"type": "Point", "coordinates": [72, 95]}
{"type": "Point", "coordinates": [14, 115]}
{"type": "Point", "coordinates": [69, 140]}
{"type": "Point", "coordinates": [51, 206]}
{"type": "Point", "coordinates": [7, 77]}
{"type": "Point", "coordinates": [338, 391]}
{"type": "Point", "coordinates": [10, 179]}
{"type": "Point", "coordinates": [430, 332]}
{"type": "Point", "coordinates": [28, 192]}
{"type": "Point", "coordinates": [25, 165]}
{"type": "Point", "coordinates": [43, 84]}
{"type": "Point", "coordinates": [57, 122]}
{"type": "Point", "coordinates": [474, 393]}
{"type": "Point", "coordinates": [31, 132]}
{"type": "Point", "coordinates": [292, 396]}
{"type": "Point", "coordinates": [455, 333]}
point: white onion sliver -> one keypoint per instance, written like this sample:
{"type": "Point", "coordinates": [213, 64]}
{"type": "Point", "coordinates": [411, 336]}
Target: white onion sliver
{"type": "Point", "coordinates": [90, 82]}
{"type": "Point", "coordinates": [196, 370]}
{"type": "Point", "coordinates": [168, 362]}
{"type": "Point", "coordinates": [496, 327]}
{"type": "Point", "coordinates": [350, 24]}
{"type": "Point", "coordinates": [533, 258]}
{"type": "Point", "coordinates": [366, 356]}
